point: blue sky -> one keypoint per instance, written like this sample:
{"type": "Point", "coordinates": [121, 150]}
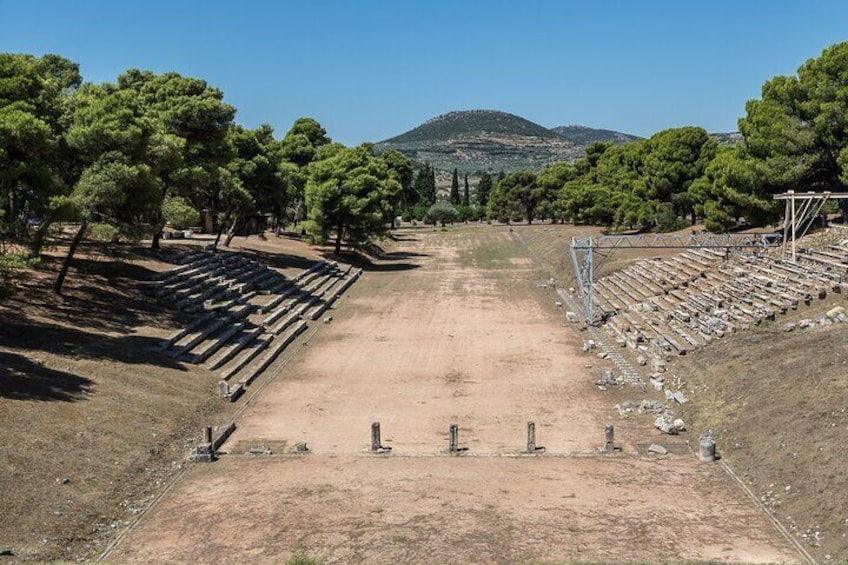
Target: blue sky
{"type": "Point", "coordinates": [368, 70]}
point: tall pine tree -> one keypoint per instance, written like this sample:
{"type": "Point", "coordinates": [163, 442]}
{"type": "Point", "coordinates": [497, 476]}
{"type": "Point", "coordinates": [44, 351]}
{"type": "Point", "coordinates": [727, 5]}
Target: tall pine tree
{"type": "Point", "coordinates": [466, 197]}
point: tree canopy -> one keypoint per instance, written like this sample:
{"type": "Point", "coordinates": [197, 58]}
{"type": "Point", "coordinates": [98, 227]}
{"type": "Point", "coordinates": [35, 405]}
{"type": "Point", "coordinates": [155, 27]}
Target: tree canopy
{"type": "Point", "coordinates": [349, 195]}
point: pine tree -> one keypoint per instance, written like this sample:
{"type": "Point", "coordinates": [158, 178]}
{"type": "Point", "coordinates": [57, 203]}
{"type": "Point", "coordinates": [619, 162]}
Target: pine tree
{"type": "Point", "coordinates": [454, 192]}
{"type": "Point", "coordinates": [466, 197]}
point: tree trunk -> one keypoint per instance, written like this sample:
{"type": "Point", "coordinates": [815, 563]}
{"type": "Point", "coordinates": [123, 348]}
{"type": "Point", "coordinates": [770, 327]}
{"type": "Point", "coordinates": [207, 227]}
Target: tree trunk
{"type": "Point", "coordinates": [161, 225]}
{"type": "Point", "coordinates": [157, 234]}
{"type": "Point", "coordinates": [40, 236]}
{"type": "Point", "coordinates": [67, 263]}
{"type": "Point", "coordinates": [221, 231]}
{"type": "Point", "coordinates": [231, 234]}
{"type": "Point", "coordinates": [339, 231]}
{"type": "Point", "coordinates": [692, 215]}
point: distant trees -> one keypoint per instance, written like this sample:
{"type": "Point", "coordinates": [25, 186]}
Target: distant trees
{"type": "Point", "coordinates": [642, 184]}
{"type": "Point", "coordinates": [517, 193]}
{"type": "Point", "coordinates": [401, 169]}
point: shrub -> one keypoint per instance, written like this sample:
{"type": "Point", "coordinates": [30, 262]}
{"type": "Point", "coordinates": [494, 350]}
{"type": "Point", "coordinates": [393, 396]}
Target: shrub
{"type": "Point", "coordinates": [180, 213]}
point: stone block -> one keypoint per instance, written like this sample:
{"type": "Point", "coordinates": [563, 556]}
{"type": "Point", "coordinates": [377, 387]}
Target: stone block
{"type": "Point", "coordinates": [658, 449]}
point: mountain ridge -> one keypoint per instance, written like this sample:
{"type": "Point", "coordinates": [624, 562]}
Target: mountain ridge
{"type": "Point", "coordinates": [493, 140]}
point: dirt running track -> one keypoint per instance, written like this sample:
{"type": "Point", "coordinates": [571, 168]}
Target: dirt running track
{"type": "Point", "coordinates": [450, 329]}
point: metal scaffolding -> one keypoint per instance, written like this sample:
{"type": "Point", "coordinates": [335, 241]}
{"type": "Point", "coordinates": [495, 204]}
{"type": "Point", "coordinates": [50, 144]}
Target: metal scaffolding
{"type": "Point", "coordinates": [797, 221]}
{"type": "Point", "coordinates": [589, 253]}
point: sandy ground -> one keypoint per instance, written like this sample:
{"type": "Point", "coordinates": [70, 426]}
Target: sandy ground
{"type": "Point", "coordinates": [449, 329]}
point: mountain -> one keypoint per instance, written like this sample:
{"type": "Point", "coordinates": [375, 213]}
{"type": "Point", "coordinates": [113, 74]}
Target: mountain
{"type": "Point", "coordinates": [476, 140]}
{"type": "Point", "coordinates": [727, 139]}
{"type": "Point", "coordinates": [585, 136]}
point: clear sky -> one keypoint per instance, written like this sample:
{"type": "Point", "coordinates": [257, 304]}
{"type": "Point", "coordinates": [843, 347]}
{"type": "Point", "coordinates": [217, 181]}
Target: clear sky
{"type": "Point", "coordinates": [368, 70]}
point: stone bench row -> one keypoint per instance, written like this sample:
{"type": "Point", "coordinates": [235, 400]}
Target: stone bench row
{"type": "Point", "coordinates": [298, 294]}
{"type": "Point", "coordinates": [251, 372]}
{"type": "Point", "coordinates": [214, 324]}
{"type": "Point", "coordinates": [197, 267]}
{"type": "Point", "coordinates": [730, 297]}
{"type": "Point", "coordinates": [206, 341]}
{"type": "Point", "coordinates": [647, 278]}
{"type": "Point", "coordinates": [281, 335]}
{"type": "Point", "coordinates": [302, 279]}
{"type": "Point", "coordinates": [243, 281]}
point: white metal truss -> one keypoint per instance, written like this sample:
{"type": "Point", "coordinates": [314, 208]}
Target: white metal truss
{"type": "Point", "coordinates": [588, 253]}
{"type": "Point", "coordinates": [796, 221]}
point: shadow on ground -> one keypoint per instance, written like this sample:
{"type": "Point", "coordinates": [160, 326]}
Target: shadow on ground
{"type": "Point", "coordinates": [18, 331]}
{"type": "Point", "coordinates": [388, 261]}
{"type": "Point", "coordinates": [22, 378]}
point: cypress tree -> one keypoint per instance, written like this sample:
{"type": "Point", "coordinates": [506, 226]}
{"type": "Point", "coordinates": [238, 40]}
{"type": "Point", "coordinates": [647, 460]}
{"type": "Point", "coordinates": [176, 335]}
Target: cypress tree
{"type": "Point", "coordinates": [484, 188]}
{"type": "Point", "coordinates": [431, 186]}
{"type": "Point", "coordinates": [454, 192]}
{"type": "Point", "coordinates": [466, 197]}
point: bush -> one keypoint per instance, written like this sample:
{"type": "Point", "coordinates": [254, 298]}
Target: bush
{"type": "Point", "coordinates": [180, 213]}
{"type": "Point", "coordinates": [442, 212]}
{"type": "Point", "coordinates": [105, 233]}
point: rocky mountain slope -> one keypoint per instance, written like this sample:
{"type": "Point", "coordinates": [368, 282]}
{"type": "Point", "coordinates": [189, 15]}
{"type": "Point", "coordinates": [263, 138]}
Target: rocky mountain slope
{"type": "Point", "coordinates": [584, 136]}
{"type": "Point", "coordinates": [483, 140]}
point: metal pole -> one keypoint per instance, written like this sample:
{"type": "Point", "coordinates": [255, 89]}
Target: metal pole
{"type": "Point", "coordinates": [590, 287]}
{"type": "Point", "coordinates": [792, 198]}
{"type": "Point", "coordinates": [785, 227]}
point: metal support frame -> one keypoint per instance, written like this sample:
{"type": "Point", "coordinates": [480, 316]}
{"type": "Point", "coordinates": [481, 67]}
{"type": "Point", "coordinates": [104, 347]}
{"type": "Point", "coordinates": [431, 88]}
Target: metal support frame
{"type": "Point", "coordinates": [585, 249]}
{"type": "Point", "coordinates": [796, 222]}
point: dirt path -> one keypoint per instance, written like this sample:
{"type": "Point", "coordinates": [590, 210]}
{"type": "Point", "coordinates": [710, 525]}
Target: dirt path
{"type": "Point", "coordinates": [450, 329]}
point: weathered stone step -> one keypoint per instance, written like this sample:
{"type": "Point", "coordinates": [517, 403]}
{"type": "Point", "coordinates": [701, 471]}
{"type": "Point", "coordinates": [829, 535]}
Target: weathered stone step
{"type": "Point", "coordinates": [241, 341]}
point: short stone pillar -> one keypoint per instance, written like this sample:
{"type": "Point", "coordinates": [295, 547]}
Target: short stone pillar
{"type": "Point", "coordinates": [531, 437]}
{"type": "Point", "coordinates": [204, 451]}
{"type": "Point", "coordinates": [376, 444]}
{"type": "Point", "coordinates": [609, 438]}
{"type": "Point", "coordinates": [453, 439]}
{"type": "Point", "coordinates": [223, 389]}
{"type": "Point", "coordinates": [707, 451]}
